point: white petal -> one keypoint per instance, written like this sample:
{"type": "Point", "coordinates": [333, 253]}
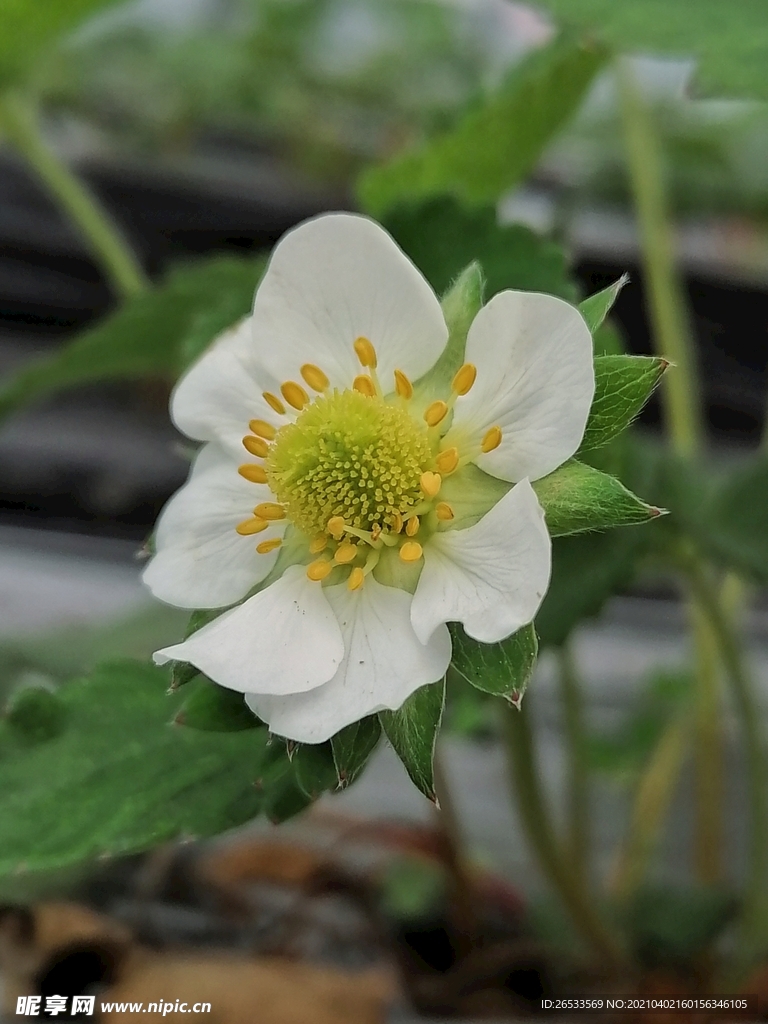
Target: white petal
{"type": "Point", "coordinates": [220, 393]}
{"type": "Point", "coordinates": [334, 279]}
{"type": "Point", "coordinates": [384, 663]}
{"type": "Point", "coordinates": [491, 577]}
{"type": "Point", "coordinates": [284, 639]}
{"type": "Point", "coordinates": [535, 380]}
{"type": "Point", "coordinates": [201, 562]}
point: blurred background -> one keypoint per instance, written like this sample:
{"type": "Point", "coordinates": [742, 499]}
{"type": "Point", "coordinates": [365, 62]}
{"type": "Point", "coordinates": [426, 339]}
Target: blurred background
{"type": "Point", "coordinates": [209, 127]}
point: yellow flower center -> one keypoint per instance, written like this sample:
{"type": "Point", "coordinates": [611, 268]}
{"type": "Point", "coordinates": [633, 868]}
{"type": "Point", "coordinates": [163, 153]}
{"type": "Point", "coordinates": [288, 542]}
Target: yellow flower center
{"type": "Point", "coordinates": [352, 456]}
{"type": "Point", "coordinates": [354, 472]}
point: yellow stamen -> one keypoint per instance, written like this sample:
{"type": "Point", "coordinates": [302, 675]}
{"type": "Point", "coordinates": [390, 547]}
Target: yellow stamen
{"type": "Point", "coordinates": [403, 386]}
{"type": "Point", "coordinates": [411, 551]}
{"type": "Point", "coordinates": [319, 570]}
{"type": "Point", "coordinates": [318, 544]}
{"type": "Point", "coordinates": [269, 510]}
{"type": "Point", "coordinates": [250, 526]}
{"type": "Point", "coordinates": [268, 545]}
{"type": "Point", "coordinates": [262, 428]}
{"type": "Point", "coordinates": [464, 379]}
{"type": "Point", "coordinates": [491, 440]}
{"type": "Point", "coordinates": [256, 446]}
{"type": "Point", "coordinates": [366, 353]}
{"type": "Point", "coordinates": [345, 552]}
{"type": "Point", "coordinates": [294, 394]}
{"type": "Point", "coordinates": [274, 402]}
{"type": "Point", "coordinates": [444, 511]}
{"type": "Point", "coordinates": [364, 385]}
{"type": "Point", "coordinates": [375, 531]}
{"type": "Point", "coordinates": [435, 413]}
{"type": "Point", "coordinates": [430, 483]}
{"type": "Point", "coordinates": [336, 526]}
{"type": "Point", "coordinates": [314, 376]}
{"type": "Point", "coordinates": [448, 460]}
{"type": "Point", "coordinates": [256, 474]}
{"type": "Point", "coordinates": [412, 526]}
{"type": "Point", "coordinates": [356, 578]}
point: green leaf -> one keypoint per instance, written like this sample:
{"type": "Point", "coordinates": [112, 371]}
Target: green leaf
{"type": "Point", "coordinates": [495, 145]}
{"type": "Point", "coordinates": [215, 709]}
{"type": "Point", "coordinates": [119, 778]}
{"type": "Point", "coordinates": [152, 335]}
{"type": "Point", "coordinates": [442, 237]}
{"type": "Point", "coordinates": [352, 747]}
{"type": "Point", "coordinates": [36, 714]}
{"type": "Point", "coordinates": [623, 384]}
{"type": "Point", "coordinates": [315, 769]}
{"type": "Point", "coordinates": [729, 40]}
{"type": "Point", "coordinates": [576, 498]}
{"type": "Point", "coordinates": [672, 928]}
{"type": "Point", "coordinates": [733, 524]}
{"type": "Point", "coordinates": [597, 307]}
{"type": "Point", "coordinates": [412, 731]}
{"type": "Point", "coordinates": [503, 668]}
{"type": "Point", "coordinates": [28, 26]}
{"type": "Point", "coordinates": [586, 571]}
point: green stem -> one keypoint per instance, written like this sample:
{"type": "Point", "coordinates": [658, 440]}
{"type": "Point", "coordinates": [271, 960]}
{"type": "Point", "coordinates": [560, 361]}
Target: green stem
{"type": "Point", "coordinates": [652, 799]}
{"type": "Point", "coordinates": [452, 841]}
{"type": "Point", "coordinates": [541, 836]}
{"type": "Point", "coordinates": [578, 781]}
{"type": "Point", "coordinates": [755, 916]}
{"type": "Point", "coordinates": [18, 121]}
{"type": "Point", "coordinates": [666, 296]}
{"type": "Point", "coordinates": [708, 750]}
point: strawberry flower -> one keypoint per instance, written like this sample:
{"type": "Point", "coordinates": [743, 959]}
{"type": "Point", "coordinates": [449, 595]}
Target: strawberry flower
{"type": "Point", "coordinates": [359, 487]}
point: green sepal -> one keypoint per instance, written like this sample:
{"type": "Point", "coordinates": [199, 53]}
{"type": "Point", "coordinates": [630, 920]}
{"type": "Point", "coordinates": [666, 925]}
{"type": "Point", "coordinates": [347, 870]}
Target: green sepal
{"type": "Point", "coordinates": [460, 305]}
{"type": "Point", "coordinates": [597, 307]}
{"type": "Point", "coordinates": [623, 384]}
{"type": "Point", "coordinates": [35, 714]}
{"type": "Point", "coordinates": [285, 800]}
{"type": "Point", "coordinates": [503, 669]}
{"type": "Point", "coordinates": [412, 730]}
{"type": "Point", "coordinates": [577, 498]}
{"type": "Point", "coordinates": [352, 747]}
{"type": "Point", "coordinates": [314, 768]}
{"type": "Point", "coordinates": [214, 708]}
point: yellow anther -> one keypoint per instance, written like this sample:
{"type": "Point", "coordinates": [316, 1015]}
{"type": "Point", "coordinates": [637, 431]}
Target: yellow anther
{"type": "Point", "coordinates": [375, 531]}
{"type": "Point", "coordinates": [268, 545]}
{"type": "Point", "coordinates": [364, 385]}
{"type": "Point", "coordinates": [262, 428]}
{"type": "Point", "coordinates": [430, 483]}
{"type": "Point", "coordinates": [412, 526]}
{"type": "Point", "coordinates": [365, 352]}
{"type": "Point", "coordinates": [411, 551]}
{"type": "Point", "coordinates": [345, 552]}
{"type": "Point", "coordinates": [397, 523]}
{"type": "Point", "coordinates": [403, 386]}
{"type": "Point", "coordinates": [256, 446]}
{"type": "Point", "coordinates": [464, 379]}
{"type": "Point", "coordinates": [444, 511]}
{"type": "Point", "coordinates": [249, 526]}
{"type": "Point", "coordinates": [356, 578]}
{"type": "Point", "coordinates": [447, 460]}
{"type": "Point", "coordinates": [436, 412]}
{"type": "Point", "coordinates": [274, 402]}
{"type": "Point", "coordinates": [336, 526]}
{"type": "Point", "coordinates": [319, 570]}
{"type": "Point", "coordinates": [256, 474]}
{"type": "Point", "coordinates": [491, 440]}
{"type": "Point", "coordinates": [318, 544]}
{"type": "Point", "coordinates": [314, 376]}
{"type": "Point", "coordinates": [269, 510]}
{"type": "Point", "coordinates": [294, 394]}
